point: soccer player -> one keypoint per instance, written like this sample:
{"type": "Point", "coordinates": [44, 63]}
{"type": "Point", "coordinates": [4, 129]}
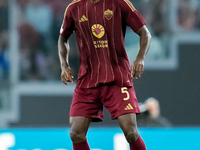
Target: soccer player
{"type": "Point", "coordinates": [105, 76]}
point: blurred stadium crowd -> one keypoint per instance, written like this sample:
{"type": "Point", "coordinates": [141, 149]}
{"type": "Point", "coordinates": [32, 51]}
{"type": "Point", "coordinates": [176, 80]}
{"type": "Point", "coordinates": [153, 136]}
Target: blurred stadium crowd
{"type": "Point", "coordinates": [39, 21]}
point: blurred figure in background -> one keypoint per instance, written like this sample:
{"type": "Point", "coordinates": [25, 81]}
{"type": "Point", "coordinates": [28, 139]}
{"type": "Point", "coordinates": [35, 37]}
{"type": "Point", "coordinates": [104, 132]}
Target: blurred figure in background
{"type": "Point", "coordinates": [40, 16]}
{"type": "Point", "coordinates": [3, 40]}
{"type": "Point", "coordinates": [3, 56]}
{"type": "Point", "coordinates": [32, 60]}
{"type": "Point", "coordinates": [150, 116]}
{"type": "Point", "coordinates": [57, 9]}
{"type": "Point", "coordinates": [154, 12]}
{"type": "Point", "coordinates": [198, 16]}
{"type": "Point", "coordinates": [36, 45]}
{"type": "Point", "coordinates": [3, 15]}
{"type": "Point", "coordinates": [38, 27]}
{"type": "Point", "coordinates": [187, 14]}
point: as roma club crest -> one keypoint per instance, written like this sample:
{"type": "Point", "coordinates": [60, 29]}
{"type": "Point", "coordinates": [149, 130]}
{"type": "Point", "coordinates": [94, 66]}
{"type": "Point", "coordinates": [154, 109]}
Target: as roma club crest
{"type": "Point", "coordinates": [108, 14]}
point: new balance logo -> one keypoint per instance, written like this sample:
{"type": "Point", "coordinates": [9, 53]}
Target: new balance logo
{"type": "Point", "coordinates": [83, 18]}
{"type": "Point", "coordinates": [128, 107]}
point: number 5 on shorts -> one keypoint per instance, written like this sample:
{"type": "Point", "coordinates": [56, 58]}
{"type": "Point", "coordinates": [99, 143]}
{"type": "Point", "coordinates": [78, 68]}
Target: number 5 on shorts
{"type": "Point", "coordinates": [124, 90]}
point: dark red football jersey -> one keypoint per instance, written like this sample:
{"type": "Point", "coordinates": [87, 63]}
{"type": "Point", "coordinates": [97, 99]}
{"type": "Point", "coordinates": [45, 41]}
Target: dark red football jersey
{"type": "Point", "coordinates": [100, 30]}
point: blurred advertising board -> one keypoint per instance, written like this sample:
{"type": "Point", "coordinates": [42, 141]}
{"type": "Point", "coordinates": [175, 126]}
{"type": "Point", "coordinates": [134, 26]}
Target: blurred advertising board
{"type": "Point", "coordinates": [98, 138]}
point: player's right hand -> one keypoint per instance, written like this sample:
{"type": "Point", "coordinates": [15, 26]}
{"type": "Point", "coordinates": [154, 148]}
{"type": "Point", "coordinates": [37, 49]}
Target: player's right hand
{"type": "Point", "coordinates": [67, 75]}
{"type": "Point", "coordinates": [137, 68]}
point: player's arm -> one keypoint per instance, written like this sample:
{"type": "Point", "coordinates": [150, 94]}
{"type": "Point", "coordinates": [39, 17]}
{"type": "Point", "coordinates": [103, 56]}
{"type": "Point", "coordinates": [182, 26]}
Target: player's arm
{"type": "Point", "coordinates": [136, 22]}
{"type": "Point", "coordinates": [63, 47]}
{"type": "Point", "coordinates": [145, 39]}
{"type": "Point", "coordinates": [63, 52]}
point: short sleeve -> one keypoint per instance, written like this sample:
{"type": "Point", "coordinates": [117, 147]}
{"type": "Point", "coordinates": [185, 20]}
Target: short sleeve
{"type": "Point", "coordinates": [68, 24]}
{"type": "Point", "coordinates": [132, 17]}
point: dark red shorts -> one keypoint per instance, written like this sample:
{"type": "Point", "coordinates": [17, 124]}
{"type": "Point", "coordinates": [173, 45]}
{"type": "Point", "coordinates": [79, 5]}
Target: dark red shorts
{"type": "Point", "coordinates": [90, 102]}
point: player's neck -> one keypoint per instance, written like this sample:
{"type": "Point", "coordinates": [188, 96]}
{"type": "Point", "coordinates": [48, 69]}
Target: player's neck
{"type": "Point", "coordinates": [94, 1]}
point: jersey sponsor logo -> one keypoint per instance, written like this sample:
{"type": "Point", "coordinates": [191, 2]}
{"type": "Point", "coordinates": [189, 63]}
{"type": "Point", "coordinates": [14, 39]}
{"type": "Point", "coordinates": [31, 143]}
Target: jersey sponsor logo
{"type": "Point", "coordinates": [108, 14]}
{"type": "Point", "coordinates": [129, 107]}
{"type": "Point", "coordinates": [98, 30]}
{"type": "Point", "coordinates": [100, 44]}
{"type": "Point", "coordinates": [83, 18]}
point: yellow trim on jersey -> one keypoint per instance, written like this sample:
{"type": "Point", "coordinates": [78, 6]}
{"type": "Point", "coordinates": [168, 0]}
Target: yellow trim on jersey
{"type": "Point", "coordinates": [73, 2]}
{"type": "Point", "coordinates": [130, 5]}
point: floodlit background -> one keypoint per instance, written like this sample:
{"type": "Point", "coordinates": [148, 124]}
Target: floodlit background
{"type": "Point", "coordinates": [33, 96]}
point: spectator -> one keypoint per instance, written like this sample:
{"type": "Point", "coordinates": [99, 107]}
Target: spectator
{"type": "Point", "coordinates": [34, 25]}
{"type": "Point", "coordinates": [33, 63]}
{"type": "Point", "coordinates": [156, 50]}
{"type": "Point", "coordinates": [58, 8]}
{"type": "Point", "coordinates": [3, 15]}
{"type": "Point", "coordinates": [151, 116]}
{"type": "Point", "coordinates": [186, 15]}
{"type": "Point", "coordinates": [154, 12]}
{"type": "Point", "coordinates": [198, 16]}
{"type": "Point", "coordinates": [3, 39]}
{"type": "Point", "coordinates": [3, 56]}
{"type": "Point", "coordinates": [40, 16]}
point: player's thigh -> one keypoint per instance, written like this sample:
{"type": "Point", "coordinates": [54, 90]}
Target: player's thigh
{"type": "Point", "coordinates": [78, 128]}
{"type": "Point", "coordinates": [86, 103]}
{"type": "Point", "coordinates": [128, 124]}
{"type": "Point", "coordinates": [79, 124]}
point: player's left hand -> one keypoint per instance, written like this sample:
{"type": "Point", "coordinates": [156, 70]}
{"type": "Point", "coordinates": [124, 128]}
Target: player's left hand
{"type": "Point", "coordinates": [137, 68]}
